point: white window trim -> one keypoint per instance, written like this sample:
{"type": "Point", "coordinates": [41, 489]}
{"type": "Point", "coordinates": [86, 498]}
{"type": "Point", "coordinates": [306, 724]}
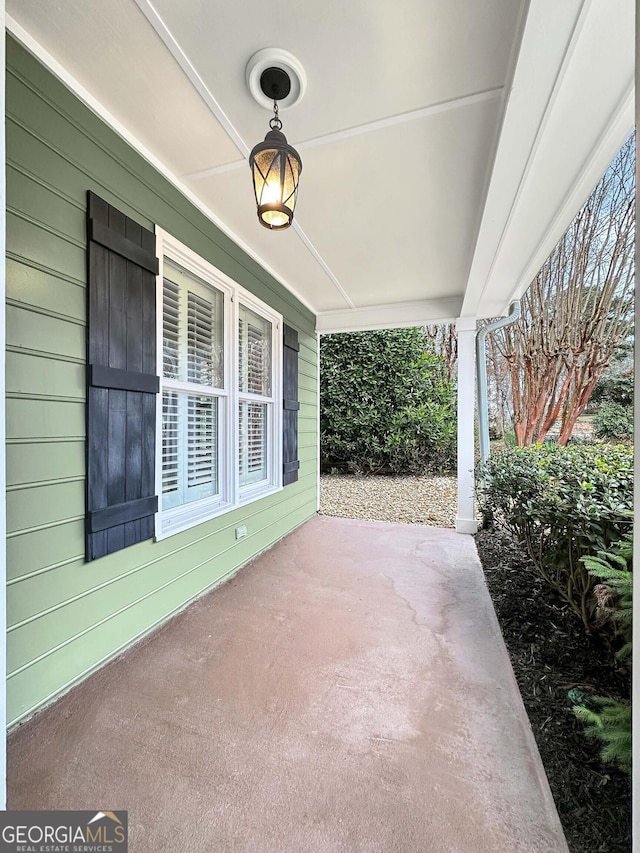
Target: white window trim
{"type": "Point", "coordinates": [231, 495]}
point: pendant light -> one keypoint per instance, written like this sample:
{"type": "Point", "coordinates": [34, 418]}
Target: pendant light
{"type": "Point", "coordinates": [275, 165]}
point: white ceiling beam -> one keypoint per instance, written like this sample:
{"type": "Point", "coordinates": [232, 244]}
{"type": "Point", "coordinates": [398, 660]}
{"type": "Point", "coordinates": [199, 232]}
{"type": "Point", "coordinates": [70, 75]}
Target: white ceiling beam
{"type": "Point", "coordinates": [393, 316]}
{"type": "Point", "coordinates": [195, 79]}
{"type": "Point", "coordinates": [371, 127]}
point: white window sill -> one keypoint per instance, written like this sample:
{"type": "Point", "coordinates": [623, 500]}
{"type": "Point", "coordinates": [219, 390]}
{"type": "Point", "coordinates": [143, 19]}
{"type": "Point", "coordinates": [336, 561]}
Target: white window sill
{"type": "Point", "coordinates": [171, 522]}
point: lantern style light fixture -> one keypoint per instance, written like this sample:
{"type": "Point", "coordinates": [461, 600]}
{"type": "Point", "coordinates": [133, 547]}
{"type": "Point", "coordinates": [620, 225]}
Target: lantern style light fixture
{"type": "Point", "coordinates": [275, 165]}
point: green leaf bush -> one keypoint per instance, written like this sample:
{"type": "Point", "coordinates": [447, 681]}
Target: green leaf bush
{"type": "Point", "coordinates": [562, 503]}
{"type": "Point", "coordinates": [386, 403]}
{"type": "Point", "coordinates": [613, 422]}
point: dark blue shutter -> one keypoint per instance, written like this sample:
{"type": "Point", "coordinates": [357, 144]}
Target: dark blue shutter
{"type": "Point", "coordinates": [290, 463]}
{"type": "Point", "coordinates": [121, 380]}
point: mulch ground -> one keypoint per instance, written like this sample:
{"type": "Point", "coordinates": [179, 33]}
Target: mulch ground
{"type": "Point", "coordinates": [550, 655]}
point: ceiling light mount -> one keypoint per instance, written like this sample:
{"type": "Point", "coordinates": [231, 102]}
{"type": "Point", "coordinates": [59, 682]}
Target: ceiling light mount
{"type": "Point", "coordinates": [268, 62]}
{"type": "Point", "coordinates": [275, 83]}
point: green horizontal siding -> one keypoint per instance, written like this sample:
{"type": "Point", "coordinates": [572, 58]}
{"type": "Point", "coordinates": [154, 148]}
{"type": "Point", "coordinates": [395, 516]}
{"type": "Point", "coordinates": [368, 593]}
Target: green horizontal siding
{"type": "Point", "coordinates": [67, 617]}
{"type": "Point", "coordinates": [43, 419]}
{"type": "Point", "coordinates": [28, 463]}
{"type": "Point", "coordinates": [40, 375]}
{"type": "Point", "coordinates": [40, 549]}
{"type": "Point", "coordinates": [31, 330]}
{"type": "Point", "coordinates": [29, 286]}
{"type": "Point", "coordinates": [49, 503]}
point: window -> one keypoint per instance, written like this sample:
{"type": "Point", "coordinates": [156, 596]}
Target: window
{"type": "Point", "coordinates": [218, 422]}
{"type": "Point", "coordinates": [192, 388]}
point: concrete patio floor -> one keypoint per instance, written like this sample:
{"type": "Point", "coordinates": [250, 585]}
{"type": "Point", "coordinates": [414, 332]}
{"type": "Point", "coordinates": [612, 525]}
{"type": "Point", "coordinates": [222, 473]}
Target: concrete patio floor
{"type": "Point", "coordinates": [348, 690]}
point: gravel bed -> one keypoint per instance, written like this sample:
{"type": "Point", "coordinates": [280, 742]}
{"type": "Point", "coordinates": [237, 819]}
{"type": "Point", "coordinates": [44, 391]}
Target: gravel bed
{"type": "Point", "coordinates": [407, 499]}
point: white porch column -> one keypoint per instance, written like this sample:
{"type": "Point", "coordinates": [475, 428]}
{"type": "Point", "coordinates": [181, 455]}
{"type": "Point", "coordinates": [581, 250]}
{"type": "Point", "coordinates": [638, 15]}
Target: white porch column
{"type": "Point", "coordinates": [466, 329]}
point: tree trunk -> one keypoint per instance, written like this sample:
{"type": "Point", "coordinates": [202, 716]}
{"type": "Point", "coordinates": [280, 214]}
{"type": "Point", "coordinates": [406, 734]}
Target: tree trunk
{"type": "Point", "coordinates": [576, 312]}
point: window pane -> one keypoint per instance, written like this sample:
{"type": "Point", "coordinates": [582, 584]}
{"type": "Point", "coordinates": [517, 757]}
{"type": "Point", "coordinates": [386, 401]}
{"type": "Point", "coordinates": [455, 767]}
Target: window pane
{"type": "Point", "coordinates": [170, 450]}
{"type": "Point", "coordinates": [202, 365]}
{"type": "Point", "coordinates": [189, 448]}
{"type": "Point", "coordinates": [255, 353]}
{"type": "Point", "coordinates": [170, 329]}
{"type": "Point", "coordinates": [193, 328]}
{"type": "Point", "coordinates": [253, 443]}
{"type": "Point", "coordinates": [202, 455]}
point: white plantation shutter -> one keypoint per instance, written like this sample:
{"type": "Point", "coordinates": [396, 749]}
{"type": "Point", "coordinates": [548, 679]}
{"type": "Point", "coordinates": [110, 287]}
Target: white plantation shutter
{"type": "Point", "coordinates": [255, 353]}
{"type": "Point", "coordinates": [170, 324]}
{"type": "Point", "coordinates": [253, 442]}
{"type": "Point", "coordinates": [202, 463]}
{"type": "Point", "coordinates": [192, 362]}
{"type": "Point", "coordinates": [170, 445]}
{"type": "Point", "coordinates": [199, 340]}
{"type": "Point", "coordinates": [256, 409]}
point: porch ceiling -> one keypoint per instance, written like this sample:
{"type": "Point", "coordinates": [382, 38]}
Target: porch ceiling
{"type": "Point", "coordinates": [446, 146]}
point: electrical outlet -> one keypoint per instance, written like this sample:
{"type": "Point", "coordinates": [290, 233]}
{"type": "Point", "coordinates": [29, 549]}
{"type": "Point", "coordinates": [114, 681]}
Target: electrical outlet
{"type": "Point", "coordinates": [241, 531]}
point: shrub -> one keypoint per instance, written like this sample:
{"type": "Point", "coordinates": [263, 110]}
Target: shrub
{"type": "Point", "coordinates": [608, 720]}
{"type": "Point", "coordinates": [614, 597]}
{"type": "Point", "coordinates": [386, 403]}
{"type": "Point", "coordinates": [613, 422]}
{"type": "Point", "coordinates": [421, 437]}
{"type": "Point", "coordinates": [615, 386]}
{"type": "Point", "coordinates": [562, 503]}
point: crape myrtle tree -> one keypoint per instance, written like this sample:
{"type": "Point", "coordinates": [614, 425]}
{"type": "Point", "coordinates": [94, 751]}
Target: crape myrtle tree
{"type": "Point", "coordinates": [575, 316]}
{"type": "Point", "coordinates": [577, 312]}
{"type": "Point", "coordinates": [387, 403]}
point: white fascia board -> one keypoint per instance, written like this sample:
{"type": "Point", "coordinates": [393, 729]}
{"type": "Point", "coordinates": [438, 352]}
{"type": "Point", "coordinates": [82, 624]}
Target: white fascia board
{"type": "Point", "coordinates": [507, 254]}
{"type": "Point", "coordinates": [394, 316]}
{"type": "Point", "coordinates": [89, 100]}
{"type": "Point", "coordinates": [606, 147]}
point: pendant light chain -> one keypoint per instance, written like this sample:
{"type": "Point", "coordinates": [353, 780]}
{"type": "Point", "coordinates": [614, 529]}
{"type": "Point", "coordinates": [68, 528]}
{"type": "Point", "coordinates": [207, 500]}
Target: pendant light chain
{"type": "Point", "coordinates": [275, 123]}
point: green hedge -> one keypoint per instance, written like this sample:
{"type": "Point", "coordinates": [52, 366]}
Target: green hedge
{"type": "Point", "coordinates": [562, 503]}
{"type": "Point", "coordinates": [386, 403]}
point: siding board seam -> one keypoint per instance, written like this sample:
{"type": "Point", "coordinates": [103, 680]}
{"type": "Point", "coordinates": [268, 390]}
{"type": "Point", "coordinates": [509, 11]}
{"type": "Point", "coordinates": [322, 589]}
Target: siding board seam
{"type": "Point", "coordinates": [36, 484]}
{"type": "Point", "coordinates": [50, 356]}
{"type": "Point", "coordinates": [45, 312]}
{"type": "Point", "coordinates": [59, 565]}
{"type": "Point", "coordinates": [308, 367]}
{"type": "Point", "coordinates": [45, 185]}
{"type": "Point", "coordinates": [311, 374]}
{"type": "Point", "coordinates": [43, 227]}
{"type": "Point", "coordinates": [85, 594]}
{"type": "Point", "coordinates": [28, 262]}
{"type": "Point", "coordinates": [48, 526]}
{"type": "Point", "coordinates": [64, 439]}
{"type": "Point", "coordinates": [43, 398]}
